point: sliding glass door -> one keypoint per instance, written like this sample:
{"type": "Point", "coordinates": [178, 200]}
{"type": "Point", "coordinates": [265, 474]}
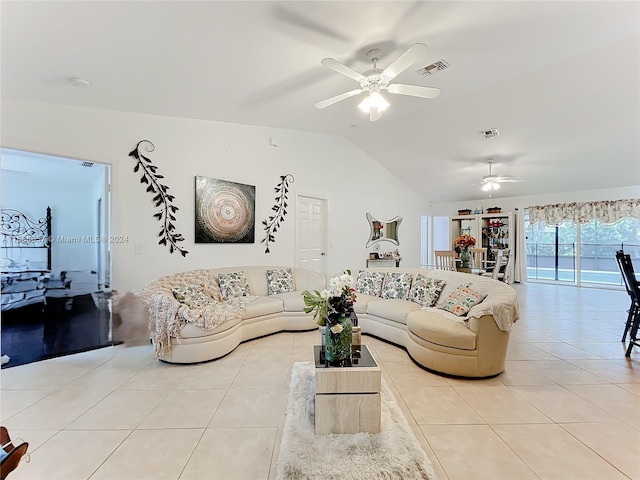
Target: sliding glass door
{"type": "Point", "coordinates": [580, 254]}
{"type": "Point", "coordinates": [598, 246]}
{"type": "Point", "coordinates": [551, 252]}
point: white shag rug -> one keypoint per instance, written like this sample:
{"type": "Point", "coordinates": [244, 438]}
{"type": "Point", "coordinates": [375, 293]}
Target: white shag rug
{"type": "Point", "coordinates": [394, 453]}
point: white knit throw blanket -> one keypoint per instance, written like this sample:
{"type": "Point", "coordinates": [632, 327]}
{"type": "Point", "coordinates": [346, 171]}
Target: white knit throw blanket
{"type": "Point", "coordinates": [167, 316]}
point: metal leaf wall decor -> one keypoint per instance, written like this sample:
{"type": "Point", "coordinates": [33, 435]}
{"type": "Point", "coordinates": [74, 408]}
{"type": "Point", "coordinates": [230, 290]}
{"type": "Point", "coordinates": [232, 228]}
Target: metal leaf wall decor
{"type": "Point", "coordinates": [280, 208]}
{"type": "Point", "coordinates": [162, 199]}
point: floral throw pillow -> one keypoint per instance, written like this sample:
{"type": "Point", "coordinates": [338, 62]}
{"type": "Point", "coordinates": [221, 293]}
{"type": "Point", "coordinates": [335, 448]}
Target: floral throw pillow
{"type": "Point", "coordinates": [279, 281]}
{"type": "Point", "coordinates": [193, 296]}
{"type": "Point", "coordinates": [396, 285]}
{"type": "Point", "coordinates": [426, 290]}
{"type": "Point", "coordinates": [460, 301]}
{"type": "Point", "coordinates": [233, 285]}
{"type": "Point", "coordinates": [369, 283]}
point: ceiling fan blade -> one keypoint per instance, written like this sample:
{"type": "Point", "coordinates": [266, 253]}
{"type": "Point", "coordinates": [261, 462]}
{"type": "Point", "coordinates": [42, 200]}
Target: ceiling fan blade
{"type": "Point", "coordinates": [414, 53]}
{"type": "Point", "coordinates": [337, 98]}
{"type": "Point", "coordinates": [500, 178]}
{"type": "Point", "coordinates": [414, 90]}
{"type": "Point", "coordinates": [509, 180]}
{"type": "Point", "coordinates": [335, 65]}
{"type": "Point", "coordinates": [374, 114]}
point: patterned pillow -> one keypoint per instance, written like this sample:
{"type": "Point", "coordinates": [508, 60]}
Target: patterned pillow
{"type": "Point", "coordinates": [460, 301]}
{"type": "Point", "coordinates": [279, 281]}
{"type": "Point", "coordinates": [193, 296]}
{"type": "Point", "coordinates": [369, 283]}
{"type": "Point", "coordinates": [396, 285]}
{"type": "Point", "coordinates": [426, 290]}
{"type": "Point", "coordinates": [233, 285]}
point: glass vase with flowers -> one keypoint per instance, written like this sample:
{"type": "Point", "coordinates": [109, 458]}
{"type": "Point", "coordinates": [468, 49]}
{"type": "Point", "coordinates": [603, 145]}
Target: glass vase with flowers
{"type": "Point", "coordinates": [464, 242]}
{"type": "Point", "coordinates": [333, 308]}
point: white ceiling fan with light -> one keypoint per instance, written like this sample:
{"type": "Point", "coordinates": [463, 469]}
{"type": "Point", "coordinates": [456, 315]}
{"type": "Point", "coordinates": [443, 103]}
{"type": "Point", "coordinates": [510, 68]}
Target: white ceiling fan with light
{"type": "Point", "coordinates": [376, 80]}
{"type": "Point", "coordinates": [492, 182]}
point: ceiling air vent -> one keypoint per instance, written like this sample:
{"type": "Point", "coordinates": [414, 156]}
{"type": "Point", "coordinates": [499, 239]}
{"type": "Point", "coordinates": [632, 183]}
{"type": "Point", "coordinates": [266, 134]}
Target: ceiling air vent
{"type": "Point", "coordinates": [491, 133]}
{"type": "Point", "coordinates": [433, 68]}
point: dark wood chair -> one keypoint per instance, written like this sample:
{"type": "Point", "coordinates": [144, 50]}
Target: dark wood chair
{"type": "Point", "coordinates": [633, 289]}
{"type": "Point", "coordinates": [632, 308]}
{"type": "Point", "coordinates": [14, 454]}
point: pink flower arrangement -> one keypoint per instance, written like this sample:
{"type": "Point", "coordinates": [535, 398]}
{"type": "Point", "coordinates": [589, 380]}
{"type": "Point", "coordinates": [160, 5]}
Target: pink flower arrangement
{"type": "Point", "coordinates": [465, 240]}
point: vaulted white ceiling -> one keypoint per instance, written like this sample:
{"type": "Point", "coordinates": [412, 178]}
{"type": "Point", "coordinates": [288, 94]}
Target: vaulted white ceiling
{"type": "Point", "coordinates": [560, 80]}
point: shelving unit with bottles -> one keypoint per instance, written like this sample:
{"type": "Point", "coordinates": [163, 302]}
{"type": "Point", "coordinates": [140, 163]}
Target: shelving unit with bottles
{"type": "Point", "coordinates": [496, 232]}
{"type": "Point", "coordinates": [492, 231]}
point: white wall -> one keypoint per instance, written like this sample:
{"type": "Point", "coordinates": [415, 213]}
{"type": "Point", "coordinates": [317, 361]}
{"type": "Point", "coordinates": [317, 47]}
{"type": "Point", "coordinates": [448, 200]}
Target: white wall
{"type": "Point", "coordinates": [323, 165]}
{"type": "Point", "coordinates": [72, 215]}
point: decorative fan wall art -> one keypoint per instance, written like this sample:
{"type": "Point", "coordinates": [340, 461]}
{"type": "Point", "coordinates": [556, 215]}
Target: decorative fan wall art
{"type": "Point", "coordinates": [225, 211]}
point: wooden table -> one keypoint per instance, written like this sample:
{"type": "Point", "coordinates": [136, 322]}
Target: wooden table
{"type": "Point", "coordinates": [347, 397]}
{"type": "Point", "coordinates": [383, 262]}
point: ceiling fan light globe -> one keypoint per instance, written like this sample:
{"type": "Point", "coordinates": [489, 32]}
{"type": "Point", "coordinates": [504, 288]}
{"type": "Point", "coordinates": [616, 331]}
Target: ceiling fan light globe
{"type": "Point", "coordinates": [486, 187]}
{"type": "Point", "coordinates": [380, 101]}
{"type": "Point", "coordinates": [365, 105]}
{"type": "Point", "coordinates": [495, 186]}
{"type": "Point", "coordinates": [374, 100]}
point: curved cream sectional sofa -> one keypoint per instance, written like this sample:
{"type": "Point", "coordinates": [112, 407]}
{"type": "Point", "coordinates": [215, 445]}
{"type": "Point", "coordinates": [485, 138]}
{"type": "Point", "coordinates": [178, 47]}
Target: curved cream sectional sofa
{"type": "Point", "coordinates": [474, 345]}
{"type": "Point", "coordinates": [471, 346]}
{"type": "Point", "coordinates": [265, 315]}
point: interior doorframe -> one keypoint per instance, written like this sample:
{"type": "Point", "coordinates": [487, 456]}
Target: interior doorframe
{"type": "Point", "coordinates": [106, 196]}
{"type": "Point", "coordinates": [325, 212]}
{"type": "Point", "coordinates": [104, 231]}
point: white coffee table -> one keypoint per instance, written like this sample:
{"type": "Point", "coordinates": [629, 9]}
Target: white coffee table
{"type": "Point", "coordinates": [347, 397]}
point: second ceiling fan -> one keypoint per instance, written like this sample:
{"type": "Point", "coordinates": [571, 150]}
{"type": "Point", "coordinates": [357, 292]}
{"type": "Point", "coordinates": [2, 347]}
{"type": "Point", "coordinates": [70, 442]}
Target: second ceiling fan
{"type": "Point", "coordinates": [375, 80]}
{"type": "Point", "coordinates": [492, 182]}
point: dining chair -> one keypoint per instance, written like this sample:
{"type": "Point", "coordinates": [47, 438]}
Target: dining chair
{"type": "Point", "coordinates": [445, 259]}
{"type": "Point", "coordinates": [633, 289]}
{"type": "Point", "coordinates": [497, 272]}
{"type": "Point", "coordinates": [500, 266]}
{"type": "Point", "coordinates": [634, 285]}
{"type": "Point", "coordinates": [632, 307]}
{"type": "Point", "coordinates": [478, 257]}
{"type": "Point", "coordinates": [508, 268]}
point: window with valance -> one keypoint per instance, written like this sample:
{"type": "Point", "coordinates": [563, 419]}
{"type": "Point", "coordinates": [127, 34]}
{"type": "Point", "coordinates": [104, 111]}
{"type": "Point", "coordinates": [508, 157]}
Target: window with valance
{"type": "Point", "coordinates": [606, 211]}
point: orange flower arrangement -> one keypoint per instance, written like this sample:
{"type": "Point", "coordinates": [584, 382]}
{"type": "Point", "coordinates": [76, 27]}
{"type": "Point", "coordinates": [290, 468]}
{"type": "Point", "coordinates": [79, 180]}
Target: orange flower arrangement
{"type": "Point", "coordinates": [465, 240]}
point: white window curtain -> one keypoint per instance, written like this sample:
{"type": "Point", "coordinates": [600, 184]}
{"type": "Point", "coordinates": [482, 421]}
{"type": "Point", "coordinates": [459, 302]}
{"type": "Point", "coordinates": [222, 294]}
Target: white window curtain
{"type": "Point", "coordinates": [520, 267]}
{"type": "Point", "coordinates": [606, 211]}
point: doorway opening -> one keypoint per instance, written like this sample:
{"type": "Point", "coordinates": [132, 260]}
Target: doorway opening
{"type": "Point", "coordinates": [434, 236]}
{"type": "Point", "coordinates": [60, 305]}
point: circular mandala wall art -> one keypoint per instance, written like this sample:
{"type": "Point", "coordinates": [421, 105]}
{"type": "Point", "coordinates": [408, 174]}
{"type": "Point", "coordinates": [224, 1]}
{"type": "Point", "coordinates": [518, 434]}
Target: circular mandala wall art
{"type": "Point", "coordinates": [225, 211]}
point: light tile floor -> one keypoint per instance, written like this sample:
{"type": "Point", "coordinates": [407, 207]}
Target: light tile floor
{"type": "Point", "coordinates": [567, 406]}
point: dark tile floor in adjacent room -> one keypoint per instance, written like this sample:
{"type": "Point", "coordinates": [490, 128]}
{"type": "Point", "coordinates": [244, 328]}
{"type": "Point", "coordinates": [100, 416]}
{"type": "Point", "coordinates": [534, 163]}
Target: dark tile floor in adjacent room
{"type": "Point", "coordinates": [34, 333]}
